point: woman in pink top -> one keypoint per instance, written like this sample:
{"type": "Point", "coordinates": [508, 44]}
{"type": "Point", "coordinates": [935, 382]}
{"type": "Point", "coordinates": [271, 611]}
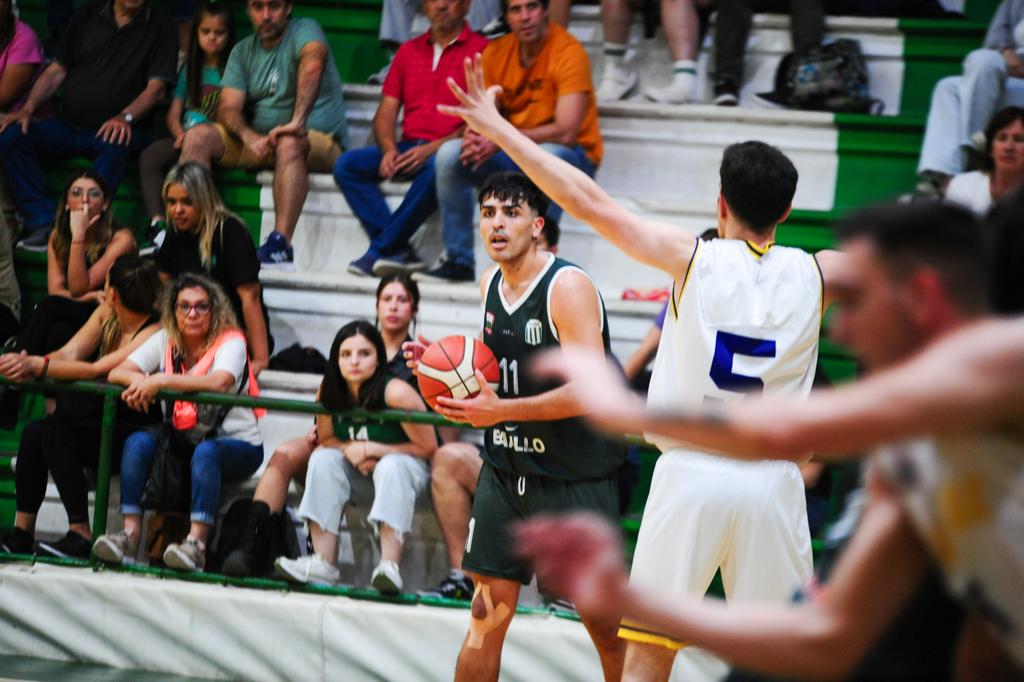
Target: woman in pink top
{"type": "Point", "coordinates": [21, 56]}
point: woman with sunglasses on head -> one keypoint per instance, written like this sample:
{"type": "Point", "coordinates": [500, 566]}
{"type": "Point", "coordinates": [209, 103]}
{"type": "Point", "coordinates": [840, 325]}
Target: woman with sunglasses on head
{"type": "Point", "coordinates": [84, 243]}
{"type": "Point", "coordinates": [398, 299]}
{"type": "Point", "coordinates": [199, 348]}
{"type": "Point", "coordinates": [67, 441]}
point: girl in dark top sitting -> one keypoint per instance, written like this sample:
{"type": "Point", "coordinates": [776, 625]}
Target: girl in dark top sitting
{"type": "Point", "coordinates": [205, 238]}
{"type": "Point", "coordinates": [398, 299]}
{"type": "Point", "coordinates": [68, 440]}
{"type": "Point", "coordinates": [84, 243]}
{"type": "Point", "coordinates": [383, 466]}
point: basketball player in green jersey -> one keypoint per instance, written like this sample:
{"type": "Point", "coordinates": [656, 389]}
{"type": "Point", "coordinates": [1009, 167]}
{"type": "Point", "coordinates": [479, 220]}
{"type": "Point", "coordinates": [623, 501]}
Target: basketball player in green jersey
{"type": "Point", "coordinates": [539, 456]}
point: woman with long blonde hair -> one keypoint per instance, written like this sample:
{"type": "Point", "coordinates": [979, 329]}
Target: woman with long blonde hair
{"type": "Point", "coordinates": [199, 348]}
{"type": "Point", "coordinates": [204, 237]}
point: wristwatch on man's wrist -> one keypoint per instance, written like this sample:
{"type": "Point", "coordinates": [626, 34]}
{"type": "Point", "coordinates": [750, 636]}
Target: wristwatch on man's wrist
{"type": "Point", "coordinates": [128, 118]}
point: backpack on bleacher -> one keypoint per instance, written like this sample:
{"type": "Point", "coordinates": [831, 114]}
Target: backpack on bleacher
{"type": "Point", "coordinates": [832, 77]}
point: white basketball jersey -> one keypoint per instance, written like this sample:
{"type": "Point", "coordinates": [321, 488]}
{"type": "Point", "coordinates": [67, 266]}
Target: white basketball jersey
{"type": "Point", "coordinates": [743, 322]}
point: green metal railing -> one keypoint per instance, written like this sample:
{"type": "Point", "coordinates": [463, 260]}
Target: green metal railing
{"type": "Point", "coordinates": [111, 393]}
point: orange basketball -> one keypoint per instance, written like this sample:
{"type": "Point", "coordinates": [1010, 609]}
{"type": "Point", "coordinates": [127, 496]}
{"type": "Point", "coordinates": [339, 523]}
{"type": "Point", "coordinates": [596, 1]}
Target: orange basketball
{"type": "Point", "coordinates": [446, 368]}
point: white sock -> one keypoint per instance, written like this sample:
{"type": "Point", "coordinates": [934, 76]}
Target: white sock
{"type": "Point", "coordinates": [456, 573]}
{"type": "Point", "coordinates": [615, 55]}
{"type": "Point", "coordinates": [684, 73]}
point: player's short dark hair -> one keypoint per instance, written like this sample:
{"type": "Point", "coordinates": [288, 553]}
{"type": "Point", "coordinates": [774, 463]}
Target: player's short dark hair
{"type": "Point", "coordinates": [515, 188]}
{"type": "Point", "coordinates": [1007, 232]}
{"type": "Point", "coordinates": [552, 231]}
{"type": "Point", "coordinates": [944, 237]}
{"type": "Point", "coordinates": [758, 183]}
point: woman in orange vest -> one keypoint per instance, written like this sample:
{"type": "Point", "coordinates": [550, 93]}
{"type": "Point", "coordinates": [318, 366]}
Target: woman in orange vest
{"type": "Point", "coordinates": [199, 348]}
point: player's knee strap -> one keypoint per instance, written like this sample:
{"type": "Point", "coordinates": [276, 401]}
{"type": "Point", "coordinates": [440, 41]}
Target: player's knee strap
{"type": "Point", "coordinates": [484, 616]}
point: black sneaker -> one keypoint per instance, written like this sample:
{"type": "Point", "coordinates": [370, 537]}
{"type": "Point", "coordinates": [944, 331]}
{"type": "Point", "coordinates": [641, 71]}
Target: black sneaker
{"type": "Point", "coordinates": [240, 562]}
{"type": "Point", "coordinates": [71, 546]}
{"type": "Point", "coordinates": [403, 262]}
{"type": "Point", "coordinates": [726, 93]}
{"type": "Point", "coordinates": [449, 272]}
{"type": "Point", "coordinates": [452, 587]}
{"type": "Point", "coordinates": [18, 541]}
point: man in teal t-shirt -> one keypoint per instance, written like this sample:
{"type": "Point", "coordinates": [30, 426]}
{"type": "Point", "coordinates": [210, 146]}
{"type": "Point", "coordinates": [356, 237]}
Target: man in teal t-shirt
{"type": "Point", "coordinates": [284, 77]}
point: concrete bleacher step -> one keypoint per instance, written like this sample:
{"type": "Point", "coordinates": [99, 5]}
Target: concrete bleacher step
{"type": "Point", "coordinates": [310, 308]}
{"type": "Point", "coordinates": [880, 38]}
{"type": "Point", "coordinates": [679, 149]}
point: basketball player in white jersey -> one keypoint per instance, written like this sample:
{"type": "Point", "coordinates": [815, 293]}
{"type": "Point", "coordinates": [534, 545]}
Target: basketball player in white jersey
{"type": "Point", "coordinates": [915, 309]}
{"type": "Point", "coordinates": [744, 319]}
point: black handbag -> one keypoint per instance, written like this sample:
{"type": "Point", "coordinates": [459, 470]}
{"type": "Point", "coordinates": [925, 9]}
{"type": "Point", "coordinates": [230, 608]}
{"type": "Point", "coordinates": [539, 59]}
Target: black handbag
{"type": "Point", "coordinates": [169, 485]}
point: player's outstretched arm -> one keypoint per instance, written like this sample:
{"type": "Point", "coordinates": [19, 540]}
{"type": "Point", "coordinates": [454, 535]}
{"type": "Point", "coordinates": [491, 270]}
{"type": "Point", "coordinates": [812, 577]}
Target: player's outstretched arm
{"type": "Point", "coordinates": [580, 558]}
{"type": "Point", "coordinates": [968, 380]}
{"type": "Point", "coordinates": [662, 246]}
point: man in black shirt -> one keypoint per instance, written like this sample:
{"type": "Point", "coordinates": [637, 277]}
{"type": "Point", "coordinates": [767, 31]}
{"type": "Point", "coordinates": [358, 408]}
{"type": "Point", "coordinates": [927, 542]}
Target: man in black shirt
{"type": "Point", "coordinates": [114, 61]}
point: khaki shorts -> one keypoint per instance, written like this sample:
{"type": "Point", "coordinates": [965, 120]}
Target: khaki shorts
{"type": "Point", "coordinates": [324, 150]}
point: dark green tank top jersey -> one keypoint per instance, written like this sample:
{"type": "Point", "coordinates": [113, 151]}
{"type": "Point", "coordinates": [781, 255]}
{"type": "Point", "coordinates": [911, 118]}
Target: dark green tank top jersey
{"type": "Point", "coordinates": [347, 428]}
{"type": "Point", "coordinates": [565, 449]}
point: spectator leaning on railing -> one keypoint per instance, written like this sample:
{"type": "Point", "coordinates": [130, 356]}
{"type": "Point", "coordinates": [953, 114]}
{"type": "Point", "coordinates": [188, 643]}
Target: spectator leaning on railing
{"type": "Point", "coordinates": [67, 441]}
{"type": "Point", "coordinates": [199, 348]}
{"type": "Point", "coordinates": [416, 83]}
{"type": "Point", "coordinates": [82, 246]}
{"type": "Point", "coordinates": [114, 64]}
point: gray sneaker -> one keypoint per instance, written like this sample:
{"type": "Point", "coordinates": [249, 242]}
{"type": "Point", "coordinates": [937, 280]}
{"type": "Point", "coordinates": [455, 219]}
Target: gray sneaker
{"type": "Point", "coordinates": [186, 556]}
{"type": "Point", "coordinates": [116, 548]}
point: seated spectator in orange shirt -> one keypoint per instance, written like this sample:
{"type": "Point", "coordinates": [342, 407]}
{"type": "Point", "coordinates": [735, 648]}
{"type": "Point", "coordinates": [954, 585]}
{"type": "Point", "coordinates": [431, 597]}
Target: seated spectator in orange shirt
{"type": "Point", "coordinates": [546, 93]}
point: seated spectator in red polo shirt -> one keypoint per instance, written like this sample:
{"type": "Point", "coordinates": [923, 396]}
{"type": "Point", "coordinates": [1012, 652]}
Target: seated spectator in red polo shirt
{"type": "Point", "coordinates": [417, 82]}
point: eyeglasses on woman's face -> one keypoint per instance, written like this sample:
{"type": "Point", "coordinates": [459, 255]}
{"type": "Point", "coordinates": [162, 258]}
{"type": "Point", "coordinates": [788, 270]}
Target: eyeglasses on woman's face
{"type": "Point", "coordinates": [202, 308]}
{"type": "Point", "coordinates": [92, 192]}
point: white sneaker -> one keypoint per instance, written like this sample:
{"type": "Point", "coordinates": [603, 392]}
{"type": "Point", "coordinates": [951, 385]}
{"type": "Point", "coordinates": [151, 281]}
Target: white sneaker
{"type": "Point", "coordinates": [312, 568]}
{"type": "Point", "coordinates": [616, 83]}
{"type": "Point", "coordinates": [673, 93]}
{"type": "Point", "coordinates": [386, 578]}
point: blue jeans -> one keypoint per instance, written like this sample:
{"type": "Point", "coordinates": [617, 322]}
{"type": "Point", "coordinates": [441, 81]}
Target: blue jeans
{"type": "Point", "coordinates": [229, 459]}
{"type": "Point", "coordinates": [357, 174]}
{"type": "Point", "coordinates": [455, 184]}
{"type": "Point", "coordinates": [52, 138]}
